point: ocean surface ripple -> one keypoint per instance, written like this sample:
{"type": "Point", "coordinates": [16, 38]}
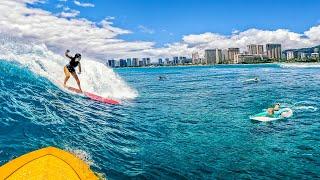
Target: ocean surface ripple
{"type": "Point", "coordinates": [192, 125]}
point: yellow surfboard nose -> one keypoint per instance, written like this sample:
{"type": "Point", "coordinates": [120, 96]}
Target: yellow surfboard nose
{"type": "Point", "coordinates": [47, 163]}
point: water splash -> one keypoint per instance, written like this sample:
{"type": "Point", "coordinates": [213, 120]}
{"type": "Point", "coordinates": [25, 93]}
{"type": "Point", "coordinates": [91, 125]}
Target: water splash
{"type": "Point", "coordinates": [81, 154]}
{"type": "Point", "coordinates": [300, 65]}
{"type": "Point", "coordinates": [95, 77]}
{"type": "Point", "coordinates": [306, 106]}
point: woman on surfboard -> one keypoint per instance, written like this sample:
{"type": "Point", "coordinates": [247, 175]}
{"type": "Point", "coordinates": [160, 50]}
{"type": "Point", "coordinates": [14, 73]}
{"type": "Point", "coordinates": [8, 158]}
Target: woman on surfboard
{"type": "Point", "coordinates": [70, 68]}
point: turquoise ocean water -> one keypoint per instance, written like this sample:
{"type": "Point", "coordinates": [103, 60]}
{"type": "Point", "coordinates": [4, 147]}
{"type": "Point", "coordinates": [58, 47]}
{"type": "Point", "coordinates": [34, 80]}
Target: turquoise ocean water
{"type": "Point", "coordinates": [192, 125]}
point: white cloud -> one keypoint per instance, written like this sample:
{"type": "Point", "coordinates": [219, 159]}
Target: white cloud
{"type": "Point", "coordinates": [101, 40]}
{"type": "Point", "coordinates": [58, 33]}
{"type": "Point", "coordinates": [287, 38]}
{"type": "Point", "coordinates": [29, 1]}
{"type": "Point", "coordinates": [200, 42]}
{"type": "Point", "coordinates": [78, 3]}
{"type": "Point", "coordinates": [66, 8]}
{"type": "Point", "coordinates": [59, 6]}
{"type": "Point", "coordinates": [71, 14]}
{"type": "Point", "coordinates": [235, 31]}
{"type": "Point", "coordinates": [313, 34]}
{"type": "Point", "coordinates": [145, 29]}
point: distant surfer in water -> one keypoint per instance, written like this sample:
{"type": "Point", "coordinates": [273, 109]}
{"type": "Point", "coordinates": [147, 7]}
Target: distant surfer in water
{"type": "Point", "coordinates": [161, 78]}
{"type": "Point", "coordinates": [70, 68]}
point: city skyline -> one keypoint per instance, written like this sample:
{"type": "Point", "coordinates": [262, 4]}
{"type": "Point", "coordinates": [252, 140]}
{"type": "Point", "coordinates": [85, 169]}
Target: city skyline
{"type": "Point", "coordinates": [253, 54]}
{"type": "Point", "coordinates": [86, 26]}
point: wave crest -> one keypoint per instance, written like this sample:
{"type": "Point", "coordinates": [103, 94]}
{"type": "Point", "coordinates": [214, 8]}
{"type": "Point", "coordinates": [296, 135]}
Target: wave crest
{"type": "Point", "coordinates": [95, 77]}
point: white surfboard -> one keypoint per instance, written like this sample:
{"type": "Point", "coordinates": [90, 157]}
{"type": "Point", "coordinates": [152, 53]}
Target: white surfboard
{"type": "Point", "coordinates": [281, 114]}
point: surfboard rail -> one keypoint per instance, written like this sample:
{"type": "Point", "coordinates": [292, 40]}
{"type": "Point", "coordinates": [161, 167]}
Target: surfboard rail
{"type": "Point", "coordinates": [94, 96]}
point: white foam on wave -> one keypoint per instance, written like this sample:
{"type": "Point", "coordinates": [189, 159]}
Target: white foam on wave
{"type": "Point", "coordinates": [81, 154]}
{"type": "Point", "coordinates": [307, 108]}
{"type": "Point", "coordinates": [95, 77]}
{"type": "Point", "coordinates": [300, 65]}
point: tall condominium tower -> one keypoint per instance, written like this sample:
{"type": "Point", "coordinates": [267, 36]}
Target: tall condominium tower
{"type": "Point", "coordinates": [219, 56]}
{"type": "Point", "coordinates": [273, 51]}
{"type": "Point", "coordinates": [255, 49]}
{"type": "Point", "coordinates": [212, 56]}
{"type": "Point", "coordinates": [129, 62]}
{"type": "Point", "coordinates": [195, 58]}
{"type": "Point", "coordinates": [209, 56]}
{"type": "Point", "coordinates": [135, 62]}
{"type": "Point", "coordinates": [232, 52]}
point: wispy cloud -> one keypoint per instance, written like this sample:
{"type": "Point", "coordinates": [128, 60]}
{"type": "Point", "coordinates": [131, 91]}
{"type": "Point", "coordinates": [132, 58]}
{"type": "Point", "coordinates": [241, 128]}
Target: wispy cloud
{"type": "Point", "coordinates": [145, 29]}
{"type": "Point", "coordinates": [66, 8]}
{"type": "Point", "coordinates": [78, 3]}
{"type": "Point", "coordinates": [69, 14]}
{"type": "Point", "coordinates": [59, 6]}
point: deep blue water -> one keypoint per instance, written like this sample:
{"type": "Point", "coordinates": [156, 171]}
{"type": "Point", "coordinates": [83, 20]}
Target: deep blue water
{"type": "Point", "coordinates": [193, 125]}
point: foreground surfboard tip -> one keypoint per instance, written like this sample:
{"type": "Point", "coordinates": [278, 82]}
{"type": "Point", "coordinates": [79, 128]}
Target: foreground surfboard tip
{"type": "Point", "coordinates": [47, 163]}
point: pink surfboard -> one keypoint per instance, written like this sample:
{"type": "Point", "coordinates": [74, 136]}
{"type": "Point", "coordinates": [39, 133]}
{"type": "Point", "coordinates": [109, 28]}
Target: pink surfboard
{"type": "Point", "coordinates": [94, 97]}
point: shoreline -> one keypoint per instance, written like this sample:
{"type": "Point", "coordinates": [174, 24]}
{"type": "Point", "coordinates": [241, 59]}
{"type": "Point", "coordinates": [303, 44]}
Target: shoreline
{"type": "Point", "coordinates": [205, 65]}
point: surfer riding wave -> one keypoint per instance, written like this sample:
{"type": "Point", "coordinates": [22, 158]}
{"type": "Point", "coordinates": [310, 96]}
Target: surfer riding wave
{"type": "Point", "coordinates": [70, 68]}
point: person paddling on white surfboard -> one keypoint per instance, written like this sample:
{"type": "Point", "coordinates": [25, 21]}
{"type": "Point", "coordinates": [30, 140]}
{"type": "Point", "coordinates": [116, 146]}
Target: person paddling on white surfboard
{"type": "Point", "coordinates": [70, 68]}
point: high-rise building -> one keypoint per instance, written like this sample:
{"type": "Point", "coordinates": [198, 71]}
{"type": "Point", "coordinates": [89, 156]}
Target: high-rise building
{"type": "Point", "coordinates": [219, 56]}
{"type": "Point", "coordinates": [144, 61]}
{"type": "Point", "coordinates": [129, 62]}
{"type": "Point", "coordinates": [202, 60]}
{"type": "Point", "coordinates": [260, 50]}
{"type": "Point", "coordinates": [135, 62]}
{"type": "Point", "coordinates": [210, 56]}
{"type": "Point", "coordinates": [182, 60]}
{"type": "Point", "coordinates": [175, 60]}
{"type": "Point", "coordinates": [117, 63]}
{"type": "Point", "coordinates": [225, 58]}
{"type": "Point", "coordinates": [148, 61]}
{"type": "Point", "coordinates": [160, 62]}
{"type": "Point", "coordinates": [112, 63]}
{"type": "Point", "coordinates": [255, 49]}
{"type": "Point", "coordinates": [141, 63]}
{"type": "Point", "coordinates": [273, 51]}
{"type": "Point", "coordinates": [195, 58]}
{"type": "Point", "coordinates": [213, 56]}
{"type": "Point", "coordinates": [232, 53]}
{"type": "Point", "coordinates": [167, 61]}
{"type": "Point", "coordinates": [123, 63]}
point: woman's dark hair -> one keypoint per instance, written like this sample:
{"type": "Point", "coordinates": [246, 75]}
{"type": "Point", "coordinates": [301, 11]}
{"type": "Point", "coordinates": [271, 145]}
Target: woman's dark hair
{"type": "Point", "coordinates": [77, 55]}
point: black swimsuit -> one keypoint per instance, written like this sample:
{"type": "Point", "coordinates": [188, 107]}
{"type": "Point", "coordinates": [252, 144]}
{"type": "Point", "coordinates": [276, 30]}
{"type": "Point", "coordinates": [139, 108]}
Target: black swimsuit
{"type": "Point", "coordinates": [72, 64]}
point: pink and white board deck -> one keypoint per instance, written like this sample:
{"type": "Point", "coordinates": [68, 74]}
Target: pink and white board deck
{"type": "Point", "coordinates": [94, 97]}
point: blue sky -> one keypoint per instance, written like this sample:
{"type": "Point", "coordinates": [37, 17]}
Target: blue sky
{"type": "Point", "coordinates": [104, 29]}
{"type": "Point", "coordinates": [167, 21]}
